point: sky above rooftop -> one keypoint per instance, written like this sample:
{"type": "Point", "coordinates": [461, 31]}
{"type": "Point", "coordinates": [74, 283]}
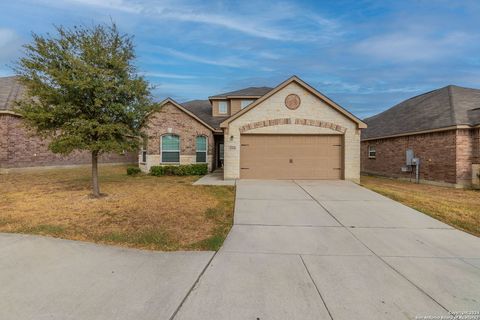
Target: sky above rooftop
{"type": "Point", "coordinates": [365, 55]}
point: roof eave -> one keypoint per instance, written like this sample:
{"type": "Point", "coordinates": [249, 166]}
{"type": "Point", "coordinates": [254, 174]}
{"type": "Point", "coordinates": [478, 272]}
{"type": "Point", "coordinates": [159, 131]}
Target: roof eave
{"type": "Point", "coordinates": [10, 112]}
{"type": "Point", "coordinates": [403, 134]}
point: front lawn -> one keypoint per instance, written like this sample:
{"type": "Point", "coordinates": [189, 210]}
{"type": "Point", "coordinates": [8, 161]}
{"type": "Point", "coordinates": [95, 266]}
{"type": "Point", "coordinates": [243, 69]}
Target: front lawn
{"type": "Point", "coordinates": [459, 208]}
{"type": "Point", "coordinates": [158, 213]}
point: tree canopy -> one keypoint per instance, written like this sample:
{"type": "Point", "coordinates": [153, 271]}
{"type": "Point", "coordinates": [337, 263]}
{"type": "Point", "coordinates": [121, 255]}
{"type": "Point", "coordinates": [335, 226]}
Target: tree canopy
{"type": "Point", "coordinates": [84, 92]}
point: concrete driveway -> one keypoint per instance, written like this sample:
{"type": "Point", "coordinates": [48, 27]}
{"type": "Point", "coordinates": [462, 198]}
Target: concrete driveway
{"type": "Point", "coordinates": [334, 250]}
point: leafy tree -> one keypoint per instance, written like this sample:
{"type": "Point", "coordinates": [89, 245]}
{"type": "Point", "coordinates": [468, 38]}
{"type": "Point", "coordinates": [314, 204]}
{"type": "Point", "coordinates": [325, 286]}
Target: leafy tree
{"type": "Point", "coordinates": [84, 92]}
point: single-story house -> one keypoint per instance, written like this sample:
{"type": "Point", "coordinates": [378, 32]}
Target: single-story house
{"type": "Point", "coordinates": [20, 148]}
{"type": "Point", "coordinates": [291, 131]}
{"type": "Point", "coordinates": [441, 128]}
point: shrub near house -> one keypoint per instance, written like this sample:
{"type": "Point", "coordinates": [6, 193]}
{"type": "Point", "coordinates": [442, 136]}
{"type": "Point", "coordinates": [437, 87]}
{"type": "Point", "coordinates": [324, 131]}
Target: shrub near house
{"type": "Point", "coordinates": [181, 170]}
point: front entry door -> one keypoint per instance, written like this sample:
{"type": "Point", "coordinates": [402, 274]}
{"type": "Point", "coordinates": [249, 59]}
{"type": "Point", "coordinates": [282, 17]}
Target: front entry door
{"type": "Point", "coordinates": [220, 155]}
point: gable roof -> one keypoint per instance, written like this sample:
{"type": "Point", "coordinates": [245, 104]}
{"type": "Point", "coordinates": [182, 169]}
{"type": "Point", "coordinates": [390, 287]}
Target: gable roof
{"type": "Point", "coordinates": [203, 110]}
{"type": "Point", "coordinates": [184, 109]}
{"type": "Point", "coordinates": [445, 108]}
{"type": "Point", "coordinates": [10, 91]}
{"type": "Point", "coordinates": [246, 92]}
{"type": "Point", "coordinates": [306, 86]}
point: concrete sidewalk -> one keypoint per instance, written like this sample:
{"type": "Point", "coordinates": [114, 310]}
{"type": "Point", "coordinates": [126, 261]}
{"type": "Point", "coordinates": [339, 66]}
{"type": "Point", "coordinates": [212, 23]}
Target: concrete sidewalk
{"type": "Point", "coordinates": [334, 250]}
{"type": "Point", "coordinates": [46, 278]}
{"type": "Point", "coordinates": [214, 178]}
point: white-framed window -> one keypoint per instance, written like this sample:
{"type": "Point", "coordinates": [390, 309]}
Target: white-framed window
{"type": "Point", "coordinates": [143, 151]}
{"type": "Point", "coordinates": [245, 103]}
{"type": "Point", "coordinates": [222, 107]}
{"type": "Point", "coordinates": [170, 148]}
{"type": "Point", "coordinates": [372, 152]}
{"type": "Point", "coordinates": [201, 146]}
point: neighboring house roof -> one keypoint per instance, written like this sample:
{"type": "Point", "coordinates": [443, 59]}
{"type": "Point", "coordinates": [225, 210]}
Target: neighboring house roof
{"type": "Point", "coordinates": [10, 91]}
{"type": "Point", "coordinates": [444, 108]}
{"type": "Point", "coordinates": [309, 88]}
{"type": "Point", "coordinates": [203, 110]}
{"type": "Point", "coordinates": [242, 93]}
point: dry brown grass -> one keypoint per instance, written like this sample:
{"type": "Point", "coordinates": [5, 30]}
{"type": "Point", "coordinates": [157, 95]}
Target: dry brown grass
{"type": "Point", "coordinates": [459, 208]}
{"type": "Point", "coordinates": [159, 213]}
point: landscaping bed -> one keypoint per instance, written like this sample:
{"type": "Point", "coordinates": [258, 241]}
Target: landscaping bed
{"type": "Point", "coordinates": [459, 208]}
{"type": "Point", "coordinates": [141, 211]}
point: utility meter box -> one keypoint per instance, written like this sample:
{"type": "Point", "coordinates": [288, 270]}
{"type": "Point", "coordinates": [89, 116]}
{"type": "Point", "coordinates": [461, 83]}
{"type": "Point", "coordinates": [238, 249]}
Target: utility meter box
{"type": "Point", "coordinates": [409, 157]}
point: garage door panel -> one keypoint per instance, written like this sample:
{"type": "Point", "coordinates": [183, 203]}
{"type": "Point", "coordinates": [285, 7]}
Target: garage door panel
{"type": "Point", "coordinates": [291, 157]}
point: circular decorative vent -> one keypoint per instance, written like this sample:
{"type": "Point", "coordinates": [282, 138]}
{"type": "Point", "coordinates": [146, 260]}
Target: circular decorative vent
{"type": "Point", "coordinates": [292, 101]}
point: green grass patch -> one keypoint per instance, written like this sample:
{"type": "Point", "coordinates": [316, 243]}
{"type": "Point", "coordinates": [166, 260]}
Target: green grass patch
{"type": "Point", "coordinates": [212, 243]}
{"type": "Point", "coordinates": [43, 229]}
{"type": "Point", "coordinates": [152, 239]}
{"type": "Point", "coordinates": [222, 215]}
{"type": "Point", "coordinates": [6, 220]}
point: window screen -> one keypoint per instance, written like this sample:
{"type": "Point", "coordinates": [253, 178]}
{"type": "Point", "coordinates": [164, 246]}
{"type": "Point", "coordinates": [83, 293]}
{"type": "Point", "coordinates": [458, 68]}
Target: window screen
{"type": "Point", "coordinates": [201, 143]}
{"type": "Point", "coordinates": [245, 103]}
{"type": "Point", "coordinates": [170, 148]}
{"type": "Point", "coordinates": [372, 152]}
{"type": "Point", "coordinates": [222, 107]}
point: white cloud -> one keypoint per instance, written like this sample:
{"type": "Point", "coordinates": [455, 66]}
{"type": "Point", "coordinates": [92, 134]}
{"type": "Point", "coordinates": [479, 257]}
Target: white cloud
{"type": "Point", "coordinates": [412, 46]}
{"type": "Point", "coordinates": [183, 91]}
{"type": "Point", "coordinates": [232, 62]}
{"type": "Point", "coordinates": [267, 22]}
{"type": "Point", "coordinates": [119, 5]}
{"type": "Point", "coordinates": [226, 21]}
{"type": "Point", "coordinates": [269, 55]}
{"type": "Point", "coordinates": [7, 36]}
{"type": "Point", "coordinates": [168, 75]}
{"type": "Point", "coordinates": [10, 44]}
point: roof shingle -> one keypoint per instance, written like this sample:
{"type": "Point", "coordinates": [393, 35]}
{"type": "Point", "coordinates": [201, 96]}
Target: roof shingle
{"type": "Point", "coordinates": [441, 108]}
{"type": "Point", "coordinates": [203, 110]}
{"type": "Point", "coordinates": [250, 91]}
{"type": "Point", "coordinates": [10, 91]}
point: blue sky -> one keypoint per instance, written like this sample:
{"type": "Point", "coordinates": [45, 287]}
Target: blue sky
{"type": "Point", "coordinates": [366, 55]}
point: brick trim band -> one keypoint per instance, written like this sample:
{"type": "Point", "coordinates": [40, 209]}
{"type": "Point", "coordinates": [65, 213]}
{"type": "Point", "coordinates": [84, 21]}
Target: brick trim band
{"type": "Point", "coordinates": [296, 121]}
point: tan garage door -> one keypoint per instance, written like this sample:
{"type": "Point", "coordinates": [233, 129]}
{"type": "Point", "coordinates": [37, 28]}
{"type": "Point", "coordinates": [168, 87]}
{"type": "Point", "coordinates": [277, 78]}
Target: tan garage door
{"type": "Point", "coordinates": [291, 156]}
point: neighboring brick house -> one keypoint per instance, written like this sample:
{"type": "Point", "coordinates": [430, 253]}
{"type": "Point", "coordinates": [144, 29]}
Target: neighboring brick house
{"type": "Point", "coordinates": [291, 131]}
{"type": "Point", "coordinates": [20, 148]}
{"type": "Point", "coordinates": [442, 127]}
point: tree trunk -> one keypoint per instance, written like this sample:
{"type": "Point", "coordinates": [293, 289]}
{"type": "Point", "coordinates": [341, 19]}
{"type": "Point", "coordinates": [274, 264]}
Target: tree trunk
{"type": "Point", "coordinates": [95, 186]}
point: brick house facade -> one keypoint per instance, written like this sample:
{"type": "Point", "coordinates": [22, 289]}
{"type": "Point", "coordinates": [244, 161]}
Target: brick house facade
{"type": "Point", "coordinates": [172, 119]}
{"type": "Point", "coordinates": [447, 157]}
{"type": "Point", "coordinates": [291, 131]}
{"type": "Point", "coordinates": [20, 148]}
{"type": "Point", "coordinates": [449, 149]}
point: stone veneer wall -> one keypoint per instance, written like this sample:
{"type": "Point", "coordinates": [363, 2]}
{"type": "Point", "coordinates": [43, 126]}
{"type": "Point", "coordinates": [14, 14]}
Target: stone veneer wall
{"type": "Point", "coordinates": [446, 156]}
{"type": "Point", "coordinates": [170, 119]}
{"type": "Point", "coordinates": [19, 148]}
{"type": "Point", "coordinates": [476, 158]}
{"type": "Point", "coordinates": [311, 111]}
{"type": "Point", "coordinates": [464, 156]}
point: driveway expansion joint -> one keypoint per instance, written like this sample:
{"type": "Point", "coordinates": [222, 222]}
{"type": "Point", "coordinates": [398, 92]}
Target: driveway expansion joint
{"type": "Point", "coordinates": [316, 287]}
{"type": "Point", "coordinates": [192, 287]}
